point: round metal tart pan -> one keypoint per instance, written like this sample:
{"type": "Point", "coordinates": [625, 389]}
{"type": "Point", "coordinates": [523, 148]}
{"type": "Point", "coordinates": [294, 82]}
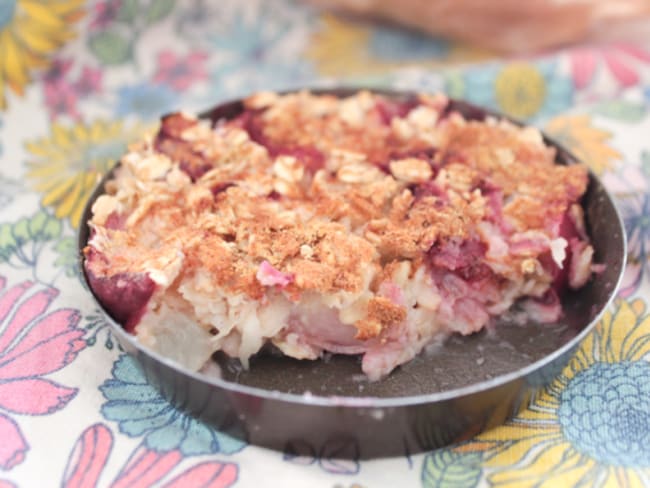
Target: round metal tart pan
{"type": "Point", "coordinates": [464, 386]}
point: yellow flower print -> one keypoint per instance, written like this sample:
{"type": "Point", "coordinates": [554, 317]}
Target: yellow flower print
{"type": "Point", "coordinates": [67, 165]}
{"type": "Point", "coordinates": [520, 90]}
{"type": "Point", "coordinates": [591, 426]}
{"type": "Point", "coordinates": [345, 47]}
{"type": "Point", "coordinates": [586, 142]}
{"type": "Point", "coordinates": [30, 32]}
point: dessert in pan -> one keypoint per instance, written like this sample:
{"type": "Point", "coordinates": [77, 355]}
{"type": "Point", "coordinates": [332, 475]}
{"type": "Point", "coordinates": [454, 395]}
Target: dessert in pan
{"type": "Point", "coordinates": [363, 225]}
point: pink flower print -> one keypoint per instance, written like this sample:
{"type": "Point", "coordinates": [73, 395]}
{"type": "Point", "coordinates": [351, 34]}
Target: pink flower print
{"type": "Point", "coordinates": [57, 70]}
{"type": "Point", "coordinates": [88, 457]}
{"type": "Point", "coordinates": [180, 72]}
{"type": "Point", "coordinates": [33, 343]}
{"type": "Point", "coordinates": [144, 467]}
{"type": "Point", "coordinates": [105, 13]}
{"type": "Point", "coordinates": [6, 484]}
{"type": "Point", "coordinates": [60, 96]}
{"type": "Point", "coordinates": [583, 66]}
{"type": "Point", "coordinates": [621, 60]}
{"type": "Point", "coordinates": [206, 475]}
{"type": "Point", "coordinates": [61, 99]}
{"type": "Point", "coordinates": [13, 446]}
{"type": "Point", "coordinates": [90, 81]}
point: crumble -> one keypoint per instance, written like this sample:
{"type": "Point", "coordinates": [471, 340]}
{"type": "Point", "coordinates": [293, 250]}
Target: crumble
{"type": "Point", "coordinates": [359, 225]}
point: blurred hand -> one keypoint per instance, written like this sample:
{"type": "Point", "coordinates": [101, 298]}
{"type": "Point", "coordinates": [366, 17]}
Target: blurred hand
{"type": "Point", "coordinates": [505, 25]}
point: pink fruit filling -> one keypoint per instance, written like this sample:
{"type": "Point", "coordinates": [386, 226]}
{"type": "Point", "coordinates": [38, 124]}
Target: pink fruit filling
{"type": "Point", "coordinates": [393, 224]}
{"type": "Point", "coordinates": [125, 295]}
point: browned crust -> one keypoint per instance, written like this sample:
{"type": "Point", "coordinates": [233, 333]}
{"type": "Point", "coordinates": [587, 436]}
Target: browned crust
{"type": "Point", "coordinates": [381, 314]}
{"type": "Point", "coordinates": [328, 228]}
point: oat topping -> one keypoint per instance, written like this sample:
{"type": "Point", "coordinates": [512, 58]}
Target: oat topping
{"type": "Point", "coordinates": [411, 170]}
{"type": "Point", "coordinates": [303, 194]}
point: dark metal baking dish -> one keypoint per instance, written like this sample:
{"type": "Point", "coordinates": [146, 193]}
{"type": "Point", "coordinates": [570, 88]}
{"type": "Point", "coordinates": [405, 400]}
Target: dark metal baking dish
{"type": "Point", "coordinates": [467, 385]}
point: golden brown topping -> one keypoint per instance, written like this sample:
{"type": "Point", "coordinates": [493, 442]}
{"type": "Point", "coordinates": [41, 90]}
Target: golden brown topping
{"type": "Point", "coordinates": [288, 168]}
{"type": "Point", "coordinates": [332, 196]}
{"type": "Point", "coordinates": [411, 170]}
{"type": "Point", "coordinates": [518, 163]}
{"type": "Point", "coordinates": [381, 314]}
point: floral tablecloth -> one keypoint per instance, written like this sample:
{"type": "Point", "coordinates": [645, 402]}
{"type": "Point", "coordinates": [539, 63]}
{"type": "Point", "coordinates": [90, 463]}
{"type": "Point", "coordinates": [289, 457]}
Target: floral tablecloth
{"type": "Point", "coordinates": [79, 80]}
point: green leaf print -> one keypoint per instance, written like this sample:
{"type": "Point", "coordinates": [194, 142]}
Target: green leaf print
{"type": "Point", "coordinates": [7, 242]}
{"type": "Point", "coordinates": [110, 47]}
{"type": "Point", "coordinates": [37, 230]}
{"type": "Point", "coordinates": [128, 11]}
{"type": "Point", "coordinates": [621, 110]}
{"type": "Point", "coordinates": [68, 258]}
{"type": "Point", "coordinates": [20, 231]}
{"type": "Point", "coordinates": [43, 227]}
{"type": "Point", "coordinates": [445, 468]}
{"type": "Point", "coordinates": [158, 10]}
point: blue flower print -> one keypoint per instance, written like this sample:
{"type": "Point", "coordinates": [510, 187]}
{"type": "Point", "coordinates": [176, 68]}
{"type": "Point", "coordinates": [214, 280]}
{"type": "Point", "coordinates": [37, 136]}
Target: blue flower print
{"type": "Point", "coordinates": [140, 410]}
{"type": "Point", "coordinates": [145, 100]}
{"type": "Point", "coordinates": [605, 413]}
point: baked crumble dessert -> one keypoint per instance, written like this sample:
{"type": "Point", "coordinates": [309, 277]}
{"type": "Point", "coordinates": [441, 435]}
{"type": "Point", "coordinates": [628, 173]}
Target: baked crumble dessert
{"type": "Point", "coordinates": [361, 225]}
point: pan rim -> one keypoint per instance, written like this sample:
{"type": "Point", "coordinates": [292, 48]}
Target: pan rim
{"type": "Point", "coordinates": [360, 401]}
